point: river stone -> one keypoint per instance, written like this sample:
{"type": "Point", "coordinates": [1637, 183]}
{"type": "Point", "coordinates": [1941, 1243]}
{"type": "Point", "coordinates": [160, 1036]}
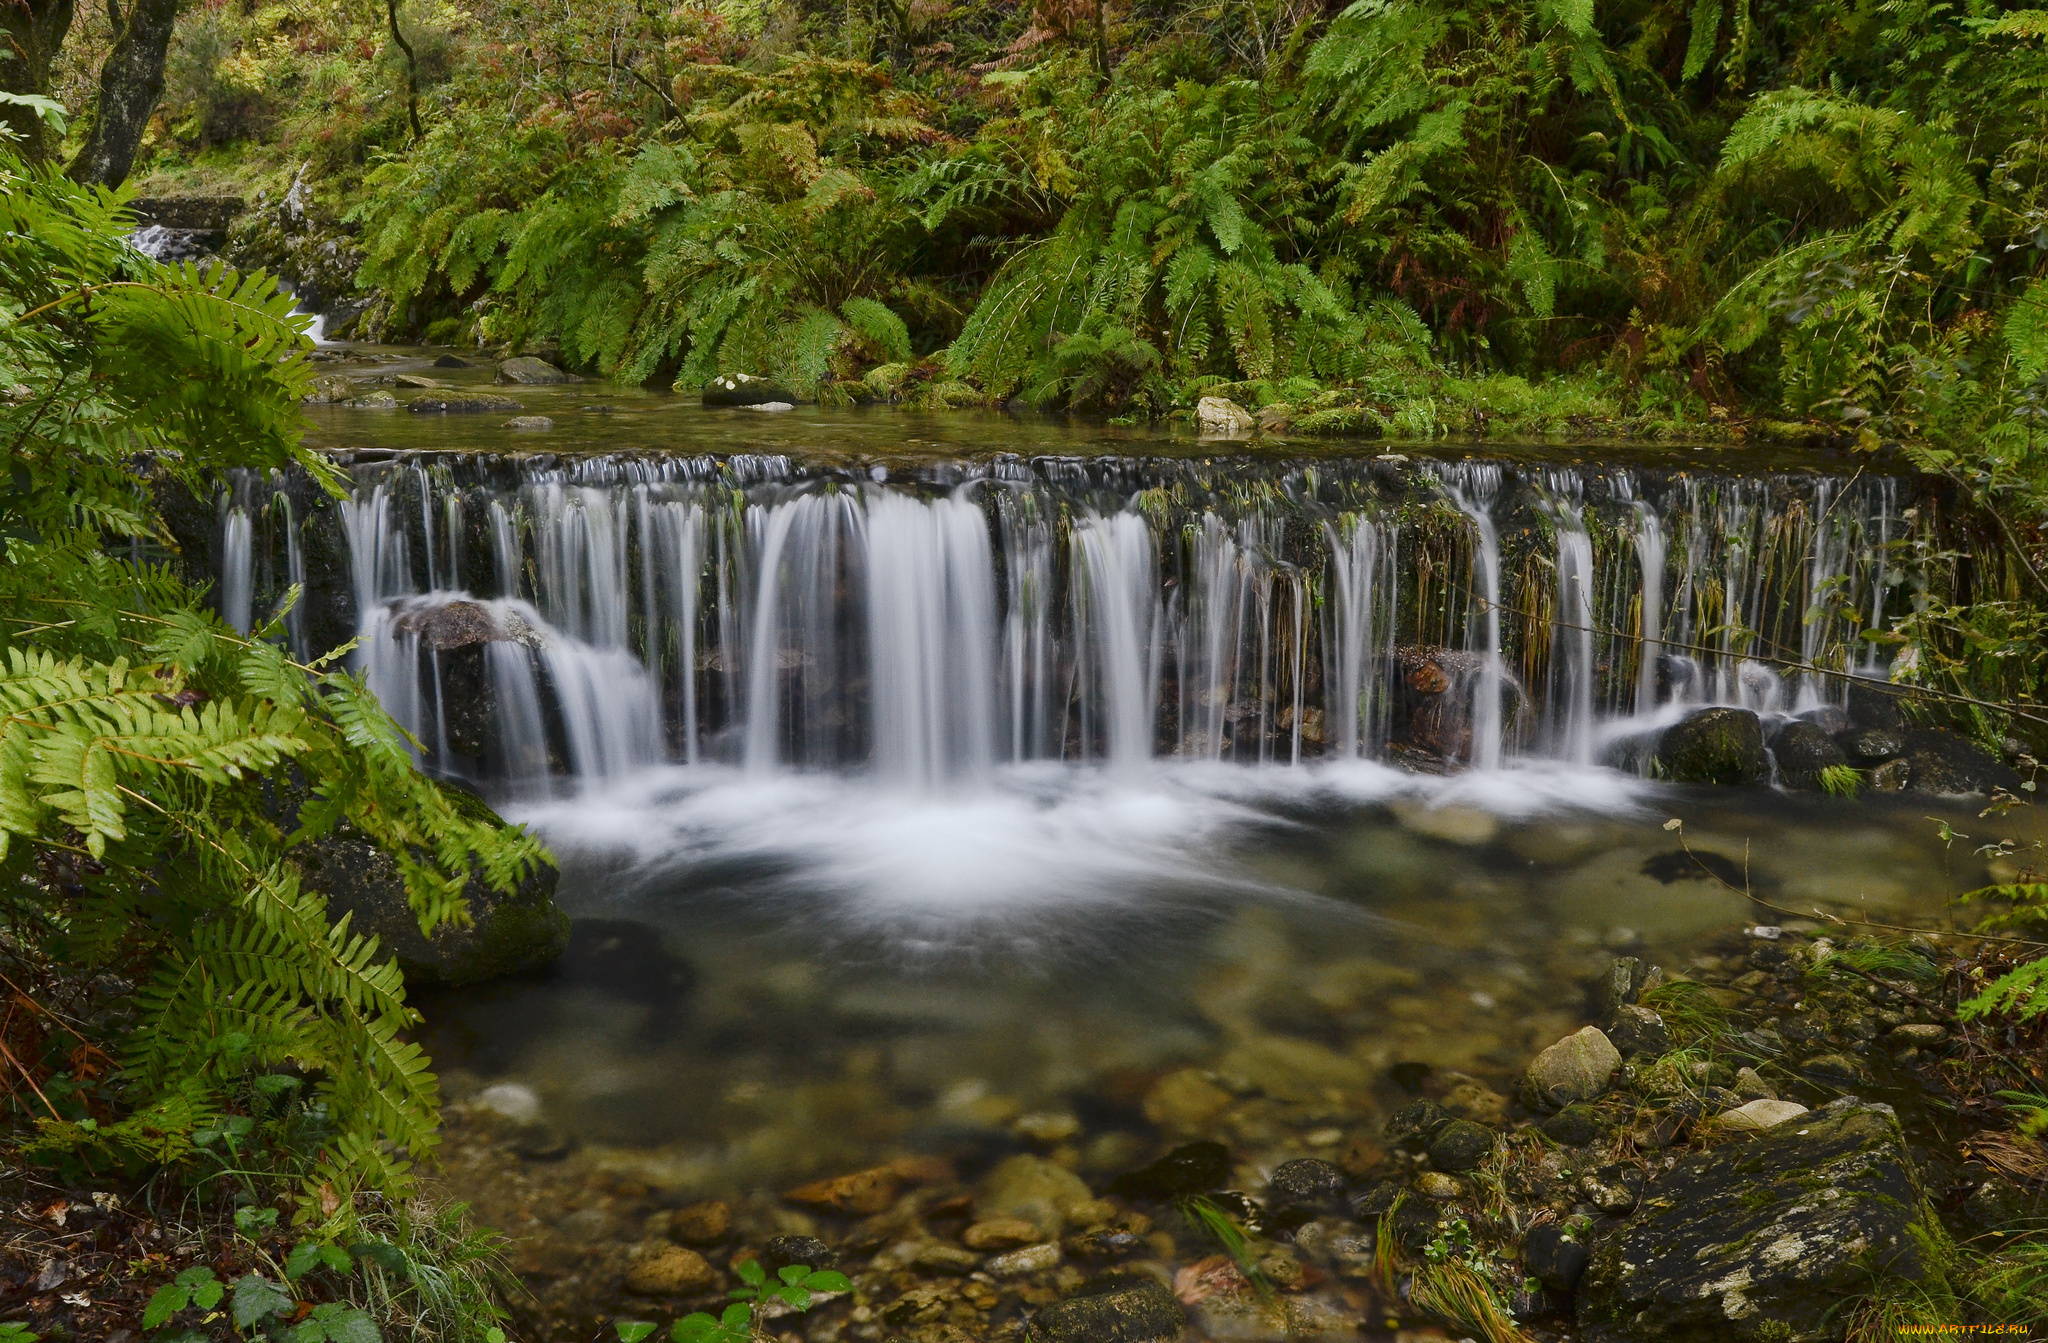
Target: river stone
{"type": "Point", "coordinates": [1034, 1190]}
{"type": "Point", "coordinates": [373, 401]}
{"type": "Point", "coordinates": [1461, 1145]}
{"type": "Point", "coordinates": [506, 934]}
{"type": "Point", "coordinates": [705, 1223]}
{"type": "Point", "coordinates": [1870, 745]}
{"type": "Point", "coordinates": [862, 1193]}
{"type": "Point", "coordinates": [528, 422]}
{"type": "Point", "coordinates": [999, 1233]}
{"type": "Point", "coordinates": [1922, 1034]}
{"type": "Point", "coordinates": [1942, 762]}
{"type": "Point", "coordinates": [1802, 751]}
{"type": "Point", "coordinates": [1185, 1100]}
{"type": "Point", "coordinates": [1613, 1188]}
{"type": "Point", "coordinates": [1024, 1262]}
{"type": "Point", "coordinates": [1220, 417]}
{"type": "Point", "coordinates": [1418, 1119]}
{"type": "Point", "coordinates": [1573, 1126]}
{"type": "Point", "coordinates": [744, 389]}
{"type": "Point", "coordinates": [659, 1268]}
{"type": "Point", "coordinates": [452, 361]}
{"type": "Point", "coordinates": [1891, 777]}
{"type": "Point", "coordinates": [1758, 1115]}
{"type": "Point", "coordinates": [532, 372]}
{"type": "Point", "coordinates": [1874, 704]}
{"type": "Point", "coordinates": [788, 1251]}
{"type": "Point", "coordinates": [1576, 1068]}
{"type": "Point", "coordinates": [1771, 1239]}
{"type": "Point", "coordinates": [1638, 1030]}
{"type": "Point", "coordinates": [462, 403]}
{"type": "Point", "coordinates": [1829, 718]}
{"type": "Point", "coordinates": [1192, 1169]}
{"type": "Point", "coordinates": [1554, 1257]}
{"type": "Point", "coordinates": [1116, 1310]}
{"type": "Point", "coordinates": [1305, 1182]}
{"type": "Point", "coordinates": [416, 380]}
{"type": "Point", "coordinates": [1718, 745]}
{"type": "Point", "coordinates": [1437, 1185]}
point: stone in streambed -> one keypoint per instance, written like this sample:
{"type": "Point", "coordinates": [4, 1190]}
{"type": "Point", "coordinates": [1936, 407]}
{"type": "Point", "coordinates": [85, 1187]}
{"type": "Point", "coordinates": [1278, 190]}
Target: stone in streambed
{"type": "Point", "coordinates": [1554, 1257]}
{"type": "Point", "coordinates": [416, 380]}
{"type": "Point", "coordinates": [1870, 745]}
{"type": "Point", "coordinates": [452, 361]}
{"type": "Point", "coordinates": [1719, 745]}
{"type": "Point", "coordinates": [462, 403]}
{"type": "Point", "coordinates": [1033, 1190]}
{"type": "Point", "coordinates": [1750, 1086]}
{"type": "Point", "coordinates": [1220, 417]}
{"type": "Point", "coordinates": [532, 372]}
{"type": "Point", "coordinates": [706, 1223]}
{"type": "Point", "coordinates": [528, 422]}
{"type": "Point", "coordinates": [659, 1268]}
{"type": "Point", "coordinates": [1116, 1310]}
{"type": "Point", "coordinates": [1774, 1239]}
{"type": "Point", "coordinates": [744, 389]}
{"type": "Point", "coordinates": [1758, 1115]}
{"type": "Point", "coordinates": [1305, 1183]}
{"type": "Point", "coordinates": [1024, 1262]}
{"type": "Point", "coordinates": [1576, 1068]}
{"type": "Point", "coordinates": [1000, 1233]}
{"type": "Point", "coordinates": [1461, 1145]}
{"type": "Point", "coordinates": [862, 1193]}
{"type": "Point", "coordinates": [1573, 1126]}
{"type": "Point", "coordinates": [1185, 1100]}
{"type": "Point", "coordinates": [1192, 1169]}
{"type": "Point", "coordinates": [1802, 751]}
{"type": "Point", "coordinates": [1942, 762]}
{"type": "Point", "coordinates": [789, 1251]}
{"type": "Point", "coordinates": [1638, 1030]}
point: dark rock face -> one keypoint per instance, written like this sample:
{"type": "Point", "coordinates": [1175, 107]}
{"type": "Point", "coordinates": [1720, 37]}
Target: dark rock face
{"type": "Point", "coordinates": [462, 403]}
{"type": "Point", "coordinates": [507, 934]}
{"type": "Point", "coordinates": [1637, 1030]}
{"type": "Point", "coordinates": [744, 389]}
{"type": "Point", "coordinates": [1942, 762]}
{"type": "Point", "coordinates": [1433, 700]}
{"type": "Point", "coordinates": [532, 372]}
{"type": "Point", "coordinates": [1554, 1257]}
{"type": "Point", "coordinates": [1305, 1182]}
{"type": "Point", "coordinates": [1803, 750]}
{"type": "Point", "coordinates": [210, 214]}
{"type": "Point", "coordinates": [1768, 1238]}
{"type": "Point", "coordinates": [1874, 704]}
{"type": "Point", "coordinates": [1829, 718]}
{"type": "Point", "coordinates": [1868, 745]}
{"type": "Point", "coordinates": [1123, 1310]}
{"type": "Point", "coordinates": [1418, 1119]}
{"type": "Point", "coordinates": [1720, 745]}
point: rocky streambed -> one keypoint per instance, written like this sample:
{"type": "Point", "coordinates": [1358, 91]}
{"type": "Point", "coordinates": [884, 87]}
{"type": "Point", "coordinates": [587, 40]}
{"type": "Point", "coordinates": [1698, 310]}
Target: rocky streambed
{"type": "Point", "coordinates": [1769, 1141]}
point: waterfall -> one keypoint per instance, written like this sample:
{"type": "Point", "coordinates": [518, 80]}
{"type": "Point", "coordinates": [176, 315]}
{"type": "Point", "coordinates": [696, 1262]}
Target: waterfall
{"type": "Point", "coordinates": [932, 625]}
{"type": "Point", "coordinates": [237, 577]}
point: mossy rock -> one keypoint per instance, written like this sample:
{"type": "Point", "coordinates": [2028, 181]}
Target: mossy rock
{"type": "Point", "coordinates": [1769, 1238]}
{"type": "Point", "coordinates": [1719, 745]}
{"type": "Point", "coordinates": [507, 934]}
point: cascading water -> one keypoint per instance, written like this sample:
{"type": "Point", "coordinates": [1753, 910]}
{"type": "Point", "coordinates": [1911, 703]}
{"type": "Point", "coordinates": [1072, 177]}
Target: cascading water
{"type": "Point", "coordinates": [625, 612]}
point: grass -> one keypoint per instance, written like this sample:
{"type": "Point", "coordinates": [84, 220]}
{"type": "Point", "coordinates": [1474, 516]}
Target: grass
{"type": "Point", "coordinates": [1840, 780]}
{"type": "Point", "coordinates": [1691, 1013]}
{"type": "Point", "coordinates": [1456, 1294]}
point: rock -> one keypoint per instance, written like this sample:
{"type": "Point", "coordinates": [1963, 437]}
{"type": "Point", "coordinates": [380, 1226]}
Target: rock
{"type": "Point", "coordinates": [1924, 1036]}
{"type": "Point", "coordinates": [706, 1223]}
{"type": "Point", "coordinates": [1573, 1126]}
{"type": "Point", "coordinates": [415, 380]}
{"type": "Point", "coordinates": [1274, 419]}
{"type": "Point", "coordinates": [1838, 1072]}
{"type": "Point", "coordinates": [1750, 1086]}
{"type": "Point", "coordinates": [1942, 762]}
{"type": "Point", "coordinates": [788, 1251]}
{"type": "Point", "coordinates": [452, 361]}
{"type": "Point", "coordinates": [1638, 1030]}
{"type": "Point", "coordinates": [1361, 1155]}
{"type": "Point", "coordinates": [1021, 1263]}
{"type": "Point", "coordinates": [1103, 1243]}
{"type": "Point", "coordinates": [1219, 417]}
{"type": "Point", "coordinates": [1891, 777]}
{"type": "Point", "coordinates": [862, 1193]}
{"type": "Point", "coordinates": [1117, 1310]}
{"type": "Point", "coordinates": [1554, 1257]}
{"type": "Point", "coordinates": [1046, 1127]}
{"type": "Point", "coordinates": [1193, 1169]}
{"type": "Point", "coordinates": [1000, 1233]}
{"type": "Point", "coordinates": [1185, 1100]}
{"type": "Point", "coordinates": [1461, 1145]}
{"type": "Point", "coordinates": [532, 372]}
{"type": "Point", "coordinates": [659, 1268]}
{"type": "Point", "coordinates": [1871, 744]}
{"type": "Point", "coordinates": [510, 1100]}
{"type": "Point", "coordinates": [1874, 704]}
{"type": "Point", "coordinates": [373, 401]}
{"type": "Point", "coordinates": [1034, 1190]}
{"type": "Point", "coordinates": [1772, 1239]}
{"type": "Point", "coordinates": [1613, 1188]}
{"type": "Point", "coordinates": [1576, 1068]}
{"type": "Point", "coordinates": [769, 407]}
{"type": "Point", "coordinates": [1802, 751]}
{"type": "Point", "coordinates": [1758, 1115]}
{"type": "Point", "coordinates": [943, 1258]}
{"type": "Point", "coordinates": [744, 389]}
{"type": "Point", "coordinates": [1467, 827]}
{"type": "Point", "coordinates": [1829, 718]}
{"type": "Point", "coordinates": [507, 934]}
{"type": "Point", "coordinates": [1437, 1185]}
{"type": "Point", "coordinates": [1477, 1102]}
{"type": "Point", "coordinates": [528, 422]}
{"type": "Point", "coordinates": [1417, 1119]}
{"type": "Point", "coordinates": [1305, 1183]}
{"type": "Point", "coordinates": [462, 403]}
{"type": "Point", "coordinates": [328, 390]}
{"type": "Point", "coordinates": [1718, 745]}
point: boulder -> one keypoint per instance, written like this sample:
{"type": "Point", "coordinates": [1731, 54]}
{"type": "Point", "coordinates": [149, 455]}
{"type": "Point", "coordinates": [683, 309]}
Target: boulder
{"type": "Point", "coordinates": [1869, 745]}
{"type": "Point", "coordinates": [1829, 718]}
{"type": "Point", "coordinates": [1802, 751]}
{"type": "Point", "coordinates": [1891, 777]}
{"type": "Point", "coordinates": [530, 372]}
{"type": "Point", "coordinates": [1718, 745]}
{"type": "Point", "coordinates": [1874, 704]}
{"type": "Point", "coordinates": [1942, 762]}
{"type": "Point", "coordinates": [462, 403]}
{"type": "Point", "coordinates": [1773, 1238]}
{"type": "Point", "coordinates": [506, 934]}
{"type": "Point", "coordinates": [1576, 1068]}
{"type": "Point", "coordinates": [452, 361]}
{"type": "Point", "coordinates": [1554, 1256]}
{"type": "Point", "coordinates": [744, 389]}
{"type": "Point", "coordinates": [1220, 417]}
{"type": "Point", "coordinates": [1115, 1310]}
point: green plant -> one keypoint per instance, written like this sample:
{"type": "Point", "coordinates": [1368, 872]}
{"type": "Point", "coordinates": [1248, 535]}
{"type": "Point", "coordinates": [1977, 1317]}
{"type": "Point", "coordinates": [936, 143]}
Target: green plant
{"type": "Point", "coordinates": [195, 1286]}
{"type": "Point", "coordinates": [1840, 780]}
{"type": "Point", "coordinates": [1453, 1290]}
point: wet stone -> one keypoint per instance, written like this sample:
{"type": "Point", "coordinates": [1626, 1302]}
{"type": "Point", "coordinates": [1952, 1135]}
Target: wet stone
{"type": "Point", "coordinates": [944, 1258]}
{"type": "Point", "coordinates": [1437, 1185]}
{"type": "Point", "coordinates": [1192, 1169]}
{"type": "Point", "coordinates": [1305, 1183]}
{"type": "Point", "coordinates": [1873, 744]}
{"type": "Point", "coordinates": [1023, 1262]}
{"type": "Point", "coordinates": [1750, 1086]}
{"type": "Point", "coordinates": [1554, 1257]}
{"type": "Point", "coordinates": [1638, 1030]}
{"type": "Point", "coordinates": [1377, 1199]}
{"type": "Point", "coordinates": [1613, 1188]}
{"type": "Point", "coordinates": [1419, 1119]}
{"type": "Point", "coordinates": [1103, 1243]}
{"type": "Point", "coordinates": [661, 1269]}
{"type": "Point", "coordinates": [1116, 1311]}
{"type": "Point", "coordinates": [533, 372]}
{"type": "Point", "coordinates": [462, 403]}
{"type": "Point", "coordinates": [701, 1223]}
{"type": "Point", "coordinates": [1922, 1036]}
{"type": "Point", "coordinates": [1573, 1126]}
{"type": "Point", "coordinates": [1185, 1100]}
{"type": "Point", "coordinates": [861, 1193]}
{"type": "Point", "coordinates": [1719, 745]}
{"type": "Point", "coordinates": [1461, 1145]}
{"type": "Point", "coordinates": [1836, 1071]}
{"type": "Point", "coordinates": [784, 1251]}
{"type": "Point", "coordinates": [1576, 1068]}
{"type": "Point", "coordinates": [1034, 1190]}
{"type": "Point", "coordinates": [1000, 1233]}
{"type": "Point", "coordinates": [1891, 777]}
{"type": "Point", "coordinates": [1759, 1115]}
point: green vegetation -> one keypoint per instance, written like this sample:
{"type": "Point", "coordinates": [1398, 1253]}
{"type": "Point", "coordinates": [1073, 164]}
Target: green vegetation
{"type": "Point", "coordinates": [160, 776]}
{"type": "Point", "coordinates": [737, 1324]}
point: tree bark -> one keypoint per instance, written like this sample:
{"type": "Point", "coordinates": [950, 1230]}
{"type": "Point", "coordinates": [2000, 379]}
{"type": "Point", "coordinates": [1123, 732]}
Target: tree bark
{"type": "Point", "coordinates": [412, 70]}
{"type": "Point", "coordinates": [130, 83]}
{"type": "Point", "coordinates": [30, 33]}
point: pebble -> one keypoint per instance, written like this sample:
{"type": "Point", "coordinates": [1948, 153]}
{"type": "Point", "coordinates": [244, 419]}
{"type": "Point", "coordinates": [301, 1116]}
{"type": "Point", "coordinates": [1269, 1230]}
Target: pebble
{"type": "Point", "coordinates": [1436, 1184]}
{"type": "Point", "coordinates": [1576, 1068]}
{"type": "Point", "coordinates": [783, 1251]}
{"type": "Point", "coordinates": [528, 422]}
{"type": "Point", "coordinates": [1000, 1233]}
{"type": "Point", "coordinates": [1046, 1127]}
{"type": "Point", "coordinates": [1918, 1035]}
{"type": "Point", "coordinates": [1759, 1115]}
{"type": "Point", "coordinates": [1020, 1263]}
{"type": "Point", "coordinates": [1461, 1145]}
{"type": "Point", "coordinates": [946, 1258]}
{"type": "Point", "coordinates": [1750, 1086]}
{"type": "Point", "coordinates": [1185, 1100]}
{"type": "Point", "coordinates": [1034, 1190]}
{"type": "Point", "coordinates": [1307, 1183]}
{"type": "Point", "coordinates": [510, 1100]}
{"type": "Point", "coordinates": [701, 1223]}
{"type": "Point", "coordinates": [861, 1193]}
{"type": "Point", "coordinates": [661, 1269]}
{"type": "Point", "coordinates": [1613, 1188]}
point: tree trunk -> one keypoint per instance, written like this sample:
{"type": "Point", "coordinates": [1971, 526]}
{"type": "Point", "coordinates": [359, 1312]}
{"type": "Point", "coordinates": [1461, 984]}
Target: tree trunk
{"type": "Point", "coordinates": [30, 33]}
{"type": "Point", "coordinates": [130, 83]}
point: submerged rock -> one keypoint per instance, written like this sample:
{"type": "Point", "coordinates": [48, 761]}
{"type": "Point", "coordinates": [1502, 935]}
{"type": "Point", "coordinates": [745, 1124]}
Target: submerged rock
{"type": "Point", "coordinates": [528, 422]}
{"type": "Point", "coordinates": [861, 1193]}
{"type": "Point", "coordinates": [1718, 745]}
{"type": "Point", "coordinates": [1802, 751]}
{"type": "Point", "coordinates": [1118, 1310]}
{"type": "Point", "coordinates": [1193, 1169]}
{"type": "Point", "coordinates": [506, 934]}
{"type": "Point", "coordinates": [1306, 1183]}
{"type": "Point", "coordinates": [462, 403]}
{"type": "Point", "coordinates": [787, 1251]}
{"type": "Point", "coordinates": [1758, 1115]}
{"type": "Point", "coordinates": [532, 372]}
{"type": "Point", "coordinates": [744, 389]}
{"type": "Point", "coordinates": [1576, 1068]}
{"type": "Point", "coordinates": [1874, 704]}
{"type": "Point", "coordinates": [1034, 1190]}
{"type": "Point", "coordinates": [1638, 1030]}
{"type": "Point", "coordinates": [1768, 1239]}
{"type": "Point", "coordinates": [659, 1268]}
